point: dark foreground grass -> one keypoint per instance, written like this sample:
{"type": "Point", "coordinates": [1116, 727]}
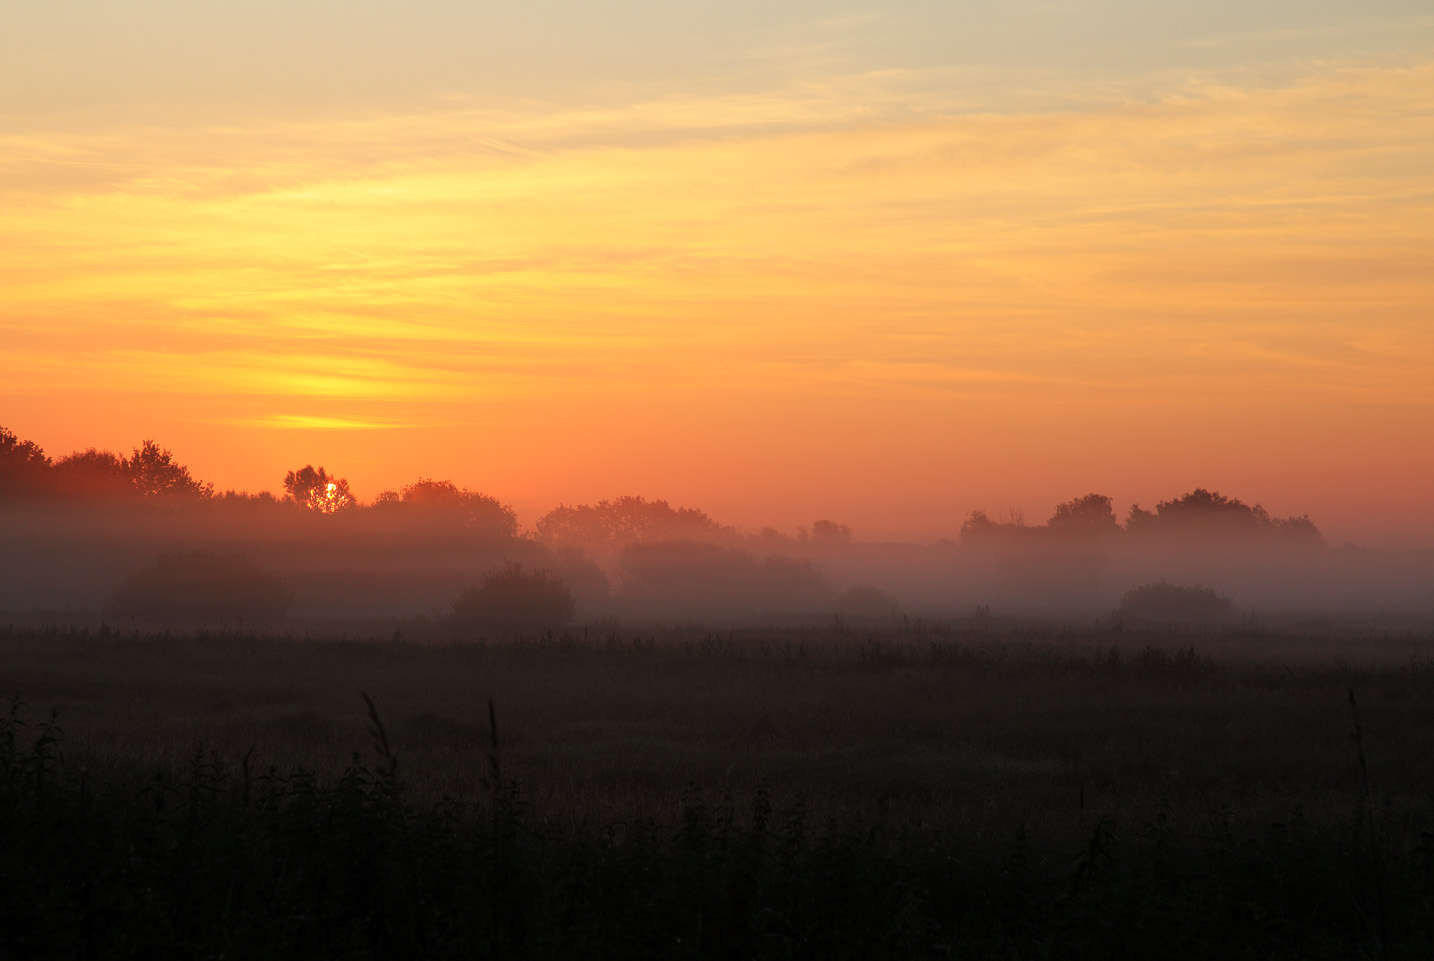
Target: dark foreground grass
{"type": "Point", "coordinates": [222, 861]}
{"type": "Point", "coordinates": [1196, 825]}
{"type": "Point", "coordinates": [225, 863]}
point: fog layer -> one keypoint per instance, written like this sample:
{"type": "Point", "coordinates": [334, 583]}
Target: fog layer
{"type": "Point", "coordinates": [137, 537]}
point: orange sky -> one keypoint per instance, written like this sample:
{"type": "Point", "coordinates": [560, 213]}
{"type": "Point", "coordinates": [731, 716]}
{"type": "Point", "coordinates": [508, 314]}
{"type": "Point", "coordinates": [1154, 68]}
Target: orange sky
{"type": "Point", "coordinates": [844, 295]}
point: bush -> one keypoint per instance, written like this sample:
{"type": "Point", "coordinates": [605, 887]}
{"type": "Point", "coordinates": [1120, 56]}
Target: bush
{"type": "Point", "coordinates": [1175, 604]}
{"type": "Point", "coordinates": [514, 599]}
{"type": "Point", "coordinates": [200, 586]}
{"type": "Point", "coordinates": [867, 604]}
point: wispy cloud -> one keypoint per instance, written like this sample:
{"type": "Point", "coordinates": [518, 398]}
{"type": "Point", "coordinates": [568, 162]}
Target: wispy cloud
{"type": "Point", "coordinates": [307, 422]}
{"type": "Point", "coordinates": [767, 272]}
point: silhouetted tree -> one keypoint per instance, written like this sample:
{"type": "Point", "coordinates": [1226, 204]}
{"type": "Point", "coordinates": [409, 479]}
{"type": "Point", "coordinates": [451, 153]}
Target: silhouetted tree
{"type": "Point", "coordinates": [977, 527]}
{"type": "Point", "coordinates": [512, 598]}
{"type": "Point", "coordinates": [1208, 509]}
{"type": "Point", "coordinates": [154, 474]}
{"type": "Point", "coordinates": [23, 466]}
{"type": "Point", "coordinates": [1059, 562]}
{"type": "Point", "coordinates": [150, 473]}
{"type": "Point", "coordinates": [1091, 514]}
{"type": "Point", "coordinates": [200, 586]}
{"type": "Point", "coordinates": [1138, 520]}
{"type": "Point", "coordinates": [92, 474]}
{"type": "Point", "coordinates": [1212, 514]}
{"type": "Point", "coordinates": [443, 495]}
{"type": "Point", "coordinates": [609, 525]}
{"type": "Point", "coordinates": [245, 501]}
{"type": "Point", "coordinates": [317, 491]}
{"type": "Point", "coordinates": [1298, 530]}
{"type": "Point", "coordinates": [980, 529]}
{"type": "Point", "coordinates": [830, 533]}
{"type": "Point", "coordinates": [445, 503]}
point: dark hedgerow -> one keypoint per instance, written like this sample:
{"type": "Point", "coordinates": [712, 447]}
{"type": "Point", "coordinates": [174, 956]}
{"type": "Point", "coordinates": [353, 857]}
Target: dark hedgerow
{"type": "Point", "coordinates": [202, 586]}
{"type": "Point", "coordinates": [513, 599]}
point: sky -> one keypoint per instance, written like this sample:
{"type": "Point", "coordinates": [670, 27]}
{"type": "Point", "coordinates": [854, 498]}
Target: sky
{"type": "Point", "coordinates": [779, 261]}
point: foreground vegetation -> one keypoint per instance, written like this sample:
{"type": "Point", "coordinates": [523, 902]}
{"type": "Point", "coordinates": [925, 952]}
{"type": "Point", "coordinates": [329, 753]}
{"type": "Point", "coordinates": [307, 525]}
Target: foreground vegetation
{"type": "Point", "coordinates": [924, 792]}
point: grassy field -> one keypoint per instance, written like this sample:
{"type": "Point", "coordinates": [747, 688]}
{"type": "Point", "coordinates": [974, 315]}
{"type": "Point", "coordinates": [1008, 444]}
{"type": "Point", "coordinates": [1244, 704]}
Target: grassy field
{"type": "Point", "coordinates": [983, 793]}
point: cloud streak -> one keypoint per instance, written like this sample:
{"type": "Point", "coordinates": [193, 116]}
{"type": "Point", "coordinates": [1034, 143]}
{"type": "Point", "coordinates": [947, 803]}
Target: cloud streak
{"type": "Point", "coordinates": [1210, 247]}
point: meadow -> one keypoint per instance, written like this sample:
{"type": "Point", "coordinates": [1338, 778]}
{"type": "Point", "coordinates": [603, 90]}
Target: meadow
{"type": "Point", "coordinates": [819, 790]}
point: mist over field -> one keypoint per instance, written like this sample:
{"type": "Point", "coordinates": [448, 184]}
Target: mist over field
{"type": "Point", "coordinates": [707, 480]}
{"type": "Point", "coordinates": [304, 725]}
{"type": "Point", "coordinates": [91, 533]}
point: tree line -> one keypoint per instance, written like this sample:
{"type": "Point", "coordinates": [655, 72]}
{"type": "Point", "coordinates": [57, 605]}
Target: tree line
{"type": "Point", "coordinates": [1200, 513]}
{"type": "Point", "coordinates": [150, 474]}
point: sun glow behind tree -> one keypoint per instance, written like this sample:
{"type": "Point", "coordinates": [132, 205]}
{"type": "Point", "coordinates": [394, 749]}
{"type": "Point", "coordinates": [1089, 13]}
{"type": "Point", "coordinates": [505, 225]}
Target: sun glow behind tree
{"type": "Point", "coordinates": [915, 258]}
{"type": "Point", "coordinates": [317, 491]}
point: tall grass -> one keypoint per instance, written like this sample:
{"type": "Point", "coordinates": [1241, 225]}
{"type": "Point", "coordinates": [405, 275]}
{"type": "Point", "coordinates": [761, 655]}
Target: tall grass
{"type": "Point", "coordinates": [902, 794]}
{"type": "Point", "coordinates": [219, 860]}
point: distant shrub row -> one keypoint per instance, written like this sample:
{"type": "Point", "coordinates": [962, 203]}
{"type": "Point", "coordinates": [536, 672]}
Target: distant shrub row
{"type": "Point", "coordinates": [200, 586]}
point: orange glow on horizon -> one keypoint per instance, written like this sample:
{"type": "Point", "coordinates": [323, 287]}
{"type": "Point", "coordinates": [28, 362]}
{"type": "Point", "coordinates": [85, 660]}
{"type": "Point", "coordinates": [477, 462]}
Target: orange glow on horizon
{"type": "Point", "coordinates": [890, 321]}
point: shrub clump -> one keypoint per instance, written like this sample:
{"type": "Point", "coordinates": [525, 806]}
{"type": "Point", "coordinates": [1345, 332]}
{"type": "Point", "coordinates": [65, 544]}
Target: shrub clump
{"type": "Point", "coordinates": [514, 599]}
{"type": "Point", "coordinates": [202, 586]}
{"type": "Point", "coordinates": [1175, 604]}
{"type": "Point", "coordinates": [867, 604]}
